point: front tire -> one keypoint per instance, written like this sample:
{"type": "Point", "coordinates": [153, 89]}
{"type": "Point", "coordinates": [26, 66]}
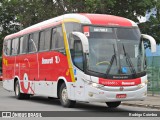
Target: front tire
{"type": "Point", "coordinates": [65, 102]}
{"type": "Point", "coordinates": [18, 94]}
{"type": "Point", "coordinates": [113, 104]}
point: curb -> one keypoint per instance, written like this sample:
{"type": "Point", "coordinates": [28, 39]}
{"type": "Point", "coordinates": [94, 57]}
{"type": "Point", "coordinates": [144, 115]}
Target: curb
{"type": "Point", "coordinates": [142, 105]}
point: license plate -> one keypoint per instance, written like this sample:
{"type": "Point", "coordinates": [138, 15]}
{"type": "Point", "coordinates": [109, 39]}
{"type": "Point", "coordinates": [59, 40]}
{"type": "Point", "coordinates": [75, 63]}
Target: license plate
{"type": "Point", "coordinates": [121, 96]}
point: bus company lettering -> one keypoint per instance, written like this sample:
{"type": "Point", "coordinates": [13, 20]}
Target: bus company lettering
{"type": "Point", "coordinates": [47, 61]}
{"type": "Point", "coordinates": [109, 83]}
{"type": "Point", "coordinates": [119, 82]}
{"type": "Point", "coordinates": [128, 83]}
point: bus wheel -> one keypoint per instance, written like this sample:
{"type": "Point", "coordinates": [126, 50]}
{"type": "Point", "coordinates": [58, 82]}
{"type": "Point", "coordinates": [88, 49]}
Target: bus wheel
{"type": "Point", "coordinates": [18, 94]}
{"type": "Point", "coordinates": [64, 97]}
{"type": "Point", "coordinates": [113, 104]}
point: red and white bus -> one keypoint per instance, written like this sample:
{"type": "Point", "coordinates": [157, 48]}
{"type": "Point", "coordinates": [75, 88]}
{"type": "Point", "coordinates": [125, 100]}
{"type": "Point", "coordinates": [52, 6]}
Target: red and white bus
{"type": "Point", "coordinates": [78, 57]}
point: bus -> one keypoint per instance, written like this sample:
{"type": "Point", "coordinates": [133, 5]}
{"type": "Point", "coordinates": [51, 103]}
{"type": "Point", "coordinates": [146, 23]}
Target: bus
{"type": "Point", "coordinates": [78, 57]}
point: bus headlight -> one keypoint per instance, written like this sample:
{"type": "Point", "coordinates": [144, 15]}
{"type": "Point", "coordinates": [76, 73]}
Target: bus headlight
{"type": "Point", "coordinates": [93, 84]}
{"type": "Point", "coordinates": [97, 85]}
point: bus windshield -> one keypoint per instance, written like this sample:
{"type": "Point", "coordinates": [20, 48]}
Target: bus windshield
{"type": "Point", "coordinates": [115, 50]}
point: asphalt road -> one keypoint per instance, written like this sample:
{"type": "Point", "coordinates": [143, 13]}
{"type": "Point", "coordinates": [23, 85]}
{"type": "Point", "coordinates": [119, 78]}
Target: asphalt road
{"type": "Point", "coordinates": [8, 102]}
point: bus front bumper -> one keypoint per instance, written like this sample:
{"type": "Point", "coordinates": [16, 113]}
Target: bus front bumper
{"type": "Point", "coordinates": [98, 95]}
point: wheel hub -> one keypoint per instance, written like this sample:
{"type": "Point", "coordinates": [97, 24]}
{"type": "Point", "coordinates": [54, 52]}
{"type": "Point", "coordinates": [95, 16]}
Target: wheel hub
{"type": "Point", "coordinates": [64, 95]}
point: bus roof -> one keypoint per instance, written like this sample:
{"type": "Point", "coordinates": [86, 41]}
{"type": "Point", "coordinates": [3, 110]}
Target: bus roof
{"type": "Point", "coordinates": [85, 18]}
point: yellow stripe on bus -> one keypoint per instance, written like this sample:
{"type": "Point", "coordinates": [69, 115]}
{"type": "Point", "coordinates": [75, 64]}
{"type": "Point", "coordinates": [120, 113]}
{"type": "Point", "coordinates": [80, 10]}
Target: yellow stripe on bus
{"type": "Point", "coordinates": [71, 20]}
{"type": "Point", "coordinates": [68, 52]}
{"type": "Point", "coordinates": [5, 62]}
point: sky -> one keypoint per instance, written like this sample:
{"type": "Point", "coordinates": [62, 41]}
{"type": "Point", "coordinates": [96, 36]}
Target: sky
{"type": "Point", "coordinates": [152, 12]}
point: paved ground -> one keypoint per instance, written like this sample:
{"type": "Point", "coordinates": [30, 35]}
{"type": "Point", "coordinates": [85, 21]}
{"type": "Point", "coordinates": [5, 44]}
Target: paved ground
{"type": "Point", "coordinates": [149, 102]}
{"type": "Point", "coordinates": [8, 102]}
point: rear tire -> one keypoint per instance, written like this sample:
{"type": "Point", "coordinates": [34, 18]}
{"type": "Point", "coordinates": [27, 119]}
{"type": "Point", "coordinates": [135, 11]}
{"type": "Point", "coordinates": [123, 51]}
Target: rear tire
{"type": "Point", "coordinates": [18, 94]}
{"type": "Point", "coordinates": [113, 104]}
{"type": "Point", "coordinates": [65, 102]}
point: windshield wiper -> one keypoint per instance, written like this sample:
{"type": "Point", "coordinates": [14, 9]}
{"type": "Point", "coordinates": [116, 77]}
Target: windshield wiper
{"type": "Point", "coordinates": [111, 63]}
{"type": "Point", "coordinates": [128, 59]}
{"type": "Point", "coordinates": [112, 60]}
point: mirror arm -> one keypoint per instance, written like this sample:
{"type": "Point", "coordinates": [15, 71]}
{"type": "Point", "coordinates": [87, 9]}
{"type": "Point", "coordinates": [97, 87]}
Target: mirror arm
{"type": "Point", "coordinates": [152, 41]}
{"type": "Point", "coordinates": [84, 41]}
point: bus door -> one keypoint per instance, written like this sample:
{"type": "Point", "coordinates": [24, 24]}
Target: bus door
{"type": "Point", "coordinates": [78, 61]}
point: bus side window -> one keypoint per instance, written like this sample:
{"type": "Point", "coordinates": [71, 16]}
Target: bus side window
{"type": "Point", "coordinates": [24, 44]}
{"type": "Point", "coordinates": [7, 47]}
{"type": "Point", "coordinates": [53, 38]}
{"type": "Point", "coordinates": [36, 39]}
{"type": "Point", "coordinates": [15, 46]}
{"type": "Point", "coordinates": [47, 39]}
{"type": "Point", "coordinates": [57, 40]}
{"type": "Point", "coordinates": [41, 41]}
{"type": "Point", "coordinates": [20, 46]}
{"type": "Point", "coordinates": [44, 43]}
{"type": "Point", "coordinates": [31, 42]}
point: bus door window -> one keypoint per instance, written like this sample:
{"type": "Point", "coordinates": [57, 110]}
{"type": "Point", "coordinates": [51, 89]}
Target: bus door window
{"type": "Point", "coordinates": [78, 54]}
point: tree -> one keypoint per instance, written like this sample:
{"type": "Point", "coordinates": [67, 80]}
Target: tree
{"type": "Point", "coordinates": [152, 26]}
{"type": "Point", "coordinates": [8, 21]}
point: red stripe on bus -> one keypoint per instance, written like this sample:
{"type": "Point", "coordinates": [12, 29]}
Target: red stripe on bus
{"type": "Point", "coordinates": [128, 82]}
{"type": "Point", "coordinates": [101, 19]}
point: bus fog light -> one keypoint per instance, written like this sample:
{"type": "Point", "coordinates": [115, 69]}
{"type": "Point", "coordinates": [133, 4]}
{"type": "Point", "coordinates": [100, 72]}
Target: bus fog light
{"type": "Point", "coordinates": [90, 94]}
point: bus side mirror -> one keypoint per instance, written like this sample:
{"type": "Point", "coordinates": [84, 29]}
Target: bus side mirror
{"type": "Point", "coordinates": [152, 41]}
{"type": "Point", "coordinates": [84, 41]}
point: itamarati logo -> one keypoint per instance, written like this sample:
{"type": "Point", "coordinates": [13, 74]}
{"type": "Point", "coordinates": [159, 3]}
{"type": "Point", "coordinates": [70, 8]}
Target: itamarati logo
{"type": "Point", "coordinates": [47, 61]}
{"type": "Point", "coordinates": [128, 83]}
